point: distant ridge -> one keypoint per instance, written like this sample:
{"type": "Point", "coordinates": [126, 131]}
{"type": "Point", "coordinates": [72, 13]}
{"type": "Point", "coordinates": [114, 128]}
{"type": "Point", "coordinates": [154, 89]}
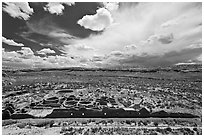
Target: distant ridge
{"type": "Point", "coordinates": [177, 68]}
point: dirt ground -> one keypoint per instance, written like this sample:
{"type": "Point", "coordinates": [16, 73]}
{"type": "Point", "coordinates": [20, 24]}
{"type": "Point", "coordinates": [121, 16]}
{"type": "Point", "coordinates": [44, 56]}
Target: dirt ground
{"type": "Point", "coordinates": [60, 126]}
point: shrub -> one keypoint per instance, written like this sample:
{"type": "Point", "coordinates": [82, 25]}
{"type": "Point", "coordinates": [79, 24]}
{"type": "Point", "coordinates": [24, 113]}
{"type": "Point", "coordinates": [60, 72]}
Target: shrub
{"type": "Point", "coordinates": [128, 122]}
{"type": "Point", "coordinates": [145, 123]}
{"type": "Point", "coordinates": [21, 125]}
{"type": "Point", "coordinates": [156, 124]}
{"type": "Point", "coordinates": [8, 122]}
{"type": "Point", "coordinates": [195, 129]}
{"type": "Point", "coordinates": [44, 123]}
{"type": "Point", "coordinates": [169, 129]}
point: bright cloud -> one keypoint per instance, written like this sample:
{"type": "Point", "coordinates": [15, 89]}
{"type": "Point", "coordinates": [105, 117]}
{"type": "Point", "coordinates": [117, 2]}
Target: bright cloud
{"type": "Point", "coordinates": [25, 58]}
{"type": "Point", "coordinates": [17, 56]}
{"type": "Point", "coordinates": [98, 22]}
{"type": "Point", "coordinates": [82, 47]}
{"type": "Point", "coordinates": [19, 10]}
{"type": "Point", "coordinates": [9, 56]}
{"type": "Point", "coordinates": [56, 7]}
{"type": "Point", "coordinates": [26, 52]}
{"type": "Point", "coordinates": [130, 34]}
{"type": "Point", "coordinates": [11, 42]}
{"type": "Point", "coordinates": [142, 30]}
{"type": "Point", "coordinates": [111, 6]}
{"type": "Point", "coordinates": [45, 51]}
{"type": "Point", "coordinates": [78, 50]}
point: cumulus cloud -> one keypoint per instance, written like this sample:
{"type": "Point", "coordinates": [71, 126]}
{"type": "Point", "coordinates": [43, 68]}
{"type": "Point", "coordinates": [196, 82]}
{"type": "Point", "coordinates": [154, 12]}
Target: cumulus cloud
{"type": "Point", "coordinates": [117, 53]}
{"type": "Point", "coordinates": [9, 56]}
{"type": "Point", "coordinates": [19, 10]}
{"type": "Point", "coordinates": [97, 58]}
{"type": "Point", "coordinates": [78, 50]}
{"type": "Point", "coordinates": [98, 22]}
{"type": "Point", "coordinates": [111, 6]}
{"type": "Point", "coordinates": [162, 38]}
{"type": "Point", "coordinates": [26, 52]}
{"type": "Point", "coordinates": [17, 56]}
{"type": "Point", "coordinates": [141, 35]}
{"type": "Point", "coordinates": [131, 47]}
{"type": "Point", "coordinates": [11, 42]}
{"type": "Point", "coordinates": [60, 61]}
{"type": "Point", "coordinates": [166, 39]}
{"type": "Point", "coordinates": [25, 58]}
{"type": "Point", "coordinates": [45, 51]}
{"type": "Point", "coordinates": [56, 7]}
{"type": "Point", "coordinates": [141, 25]}
{"type": "Point", "coordinates": [82, 47]}
{"type": "Point", "coordinates": [77, 47]}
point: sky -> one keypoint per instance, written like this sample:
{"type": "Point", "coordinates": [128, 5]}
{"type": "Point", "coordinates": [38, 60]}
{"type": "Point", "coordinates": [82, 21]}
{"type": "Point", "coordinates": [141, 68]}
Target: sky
{"type": "Point", "coordinates": [100, 35]}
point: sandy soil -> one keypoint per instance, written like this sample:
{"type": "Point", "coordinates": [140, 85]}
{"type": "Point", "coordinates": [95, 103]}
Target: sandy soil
{"type": "Point", "coordinates": [32, 126]}
{"type": "Point", "coordinates": [30, 130]}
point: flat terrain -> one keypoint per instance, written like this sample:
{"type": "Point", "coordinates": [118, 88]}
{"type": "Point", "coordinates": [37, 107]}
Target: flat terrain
{"type": "Point", "coordinates": [97, 126]}
{"type": "Point", "coordinates": [170, 91]}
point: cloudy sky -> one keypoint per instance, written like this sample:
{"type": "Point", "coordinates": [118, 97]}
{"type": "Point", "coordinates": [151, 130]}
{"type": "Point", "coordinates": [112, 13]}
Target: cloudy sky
{"type": "Point", "coordinates": [68, 34]}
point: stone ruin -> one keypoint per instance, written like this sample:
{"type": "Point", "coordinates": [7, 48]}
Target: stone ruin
{"type": "Point", "coordinates": [73, 107]}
